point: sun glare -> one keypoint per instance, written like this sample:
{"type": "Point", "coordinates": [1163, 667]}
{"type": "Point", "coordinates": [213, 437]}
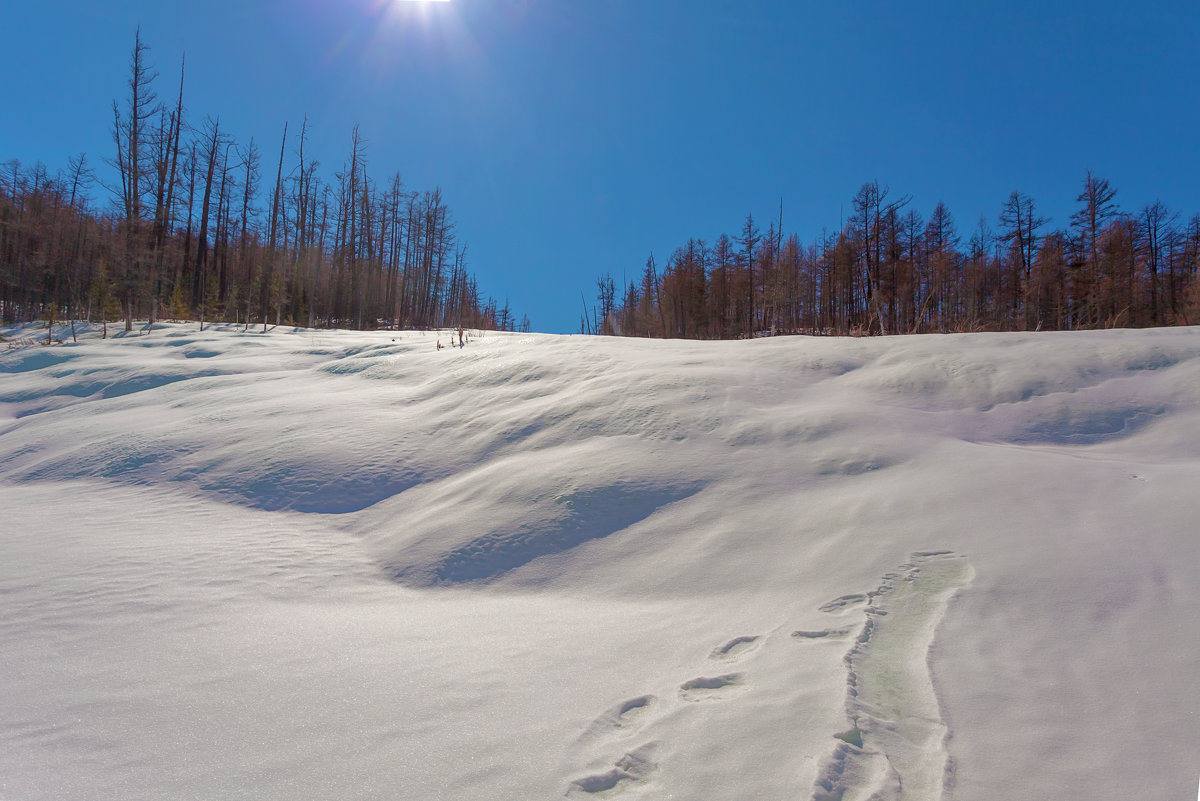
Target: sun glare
{"type": "Point", "coordinates": [379, 27]}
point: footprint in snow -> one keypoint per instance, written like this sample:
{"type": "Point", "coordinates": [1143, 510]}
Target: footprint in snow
{"type": "Point", "coordinates": [823, 634]}
{"type": "Point", "coordinates": [625, 718]}
{"type": "Point", "coordinates": [710, 687]}
{"type": "Point", "coordinates": [634, 768]}
{"type": "Point", "coordinates": [844, 602]}
{"type": "Point", "coordinates": [736, 648]}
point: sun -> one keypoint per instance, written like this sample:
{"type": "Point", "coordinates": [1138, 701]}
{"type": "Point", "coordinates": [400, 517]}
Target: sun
{"type": "Point", "coordinates": [389, 13]}
{"type": "Point", "coordinates": [409, 6]}
{"type": "Point", "coordinates": [378, 27]}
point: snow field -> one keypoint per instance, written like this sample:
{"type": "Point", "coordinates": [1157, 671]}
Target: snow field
{"type": "Point", "coordinates": [349, 565]}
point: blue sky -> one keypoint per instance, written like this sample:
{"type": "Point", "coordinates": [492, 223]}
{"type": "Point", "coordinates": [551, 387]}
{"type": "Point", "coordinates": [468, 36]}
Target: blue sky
{"type": "Point", "coordinates": [573, 137]}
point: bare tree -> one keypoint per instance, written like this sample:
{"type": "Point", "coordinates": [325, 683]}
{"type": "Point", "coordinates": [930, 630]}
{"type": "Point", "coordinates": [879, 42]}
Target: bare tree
{"type": "Point", "coordinates": [1098, 209]}
{"type": "Point", "coordinates": [1156, 226]}
{"type": "Point", "coordinates": [128, 129]}
{"type": "Point", "coordinates": [1019, 226]}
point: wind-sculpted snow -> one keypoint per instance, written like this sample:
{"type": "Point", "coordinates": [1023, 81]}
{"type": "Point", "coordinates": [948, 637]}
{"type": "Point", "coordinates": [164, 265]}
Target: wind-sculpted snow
{"type": "Point", "coordinates": [237, 563]}
{"type": "Point", "coordinates": [34, 358]}
{"type": "Point", "coordinates": [575, 518]}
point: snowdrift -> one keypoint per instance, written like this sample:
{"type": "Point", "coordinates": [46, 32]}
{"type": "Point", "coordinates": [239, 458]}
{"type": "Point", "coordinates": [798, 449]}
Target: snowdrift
{"type": "Point", "coordinates": [334, 565]}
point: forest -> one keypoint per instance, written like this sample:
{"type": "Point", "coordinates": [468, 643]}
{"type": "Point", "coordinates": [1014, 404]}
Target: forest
{"type": "Point", "coordinates": [200, 226]}
{"type": "Point", "coordinates": [889, 270]}
{"type": "Point", "coordinates": [195, 225]}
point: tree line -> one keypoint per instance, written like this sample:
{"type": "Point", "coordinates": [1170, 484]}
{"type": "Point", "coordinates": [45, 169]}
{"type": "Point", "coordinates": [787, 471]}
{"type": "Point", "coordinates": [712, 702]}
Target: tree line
{"type": "Point", "coordinates": [889, 270]}
{"type": "Point", "coordinates": [196, 230]}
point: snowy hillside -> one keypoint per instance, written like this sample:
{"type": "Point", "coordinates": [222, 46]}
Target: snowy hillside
{"type": "Point", "coordinates": [334, 565]}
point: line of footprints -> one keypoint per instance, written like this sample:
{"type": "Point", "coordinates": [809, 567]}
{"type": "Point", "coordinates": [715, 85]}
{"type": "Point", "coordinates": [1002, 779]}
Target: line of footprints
{"type": "Point", "coordinates": [637, 767]}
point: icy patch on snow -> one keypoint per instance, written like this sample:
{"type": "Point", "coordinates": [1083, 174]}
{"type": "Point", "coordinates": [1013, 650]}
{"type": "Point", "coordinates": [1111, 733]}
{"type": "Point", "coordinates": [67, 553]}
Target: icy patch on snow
{"type": "Point", "coordinates": [896, 748]}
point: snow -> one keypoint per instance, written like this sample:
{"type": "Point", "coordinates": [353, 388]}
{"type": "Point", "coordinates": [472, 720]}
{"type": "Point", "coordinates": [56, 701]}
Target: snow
{"type": "Point", "coordinates": [340, 565]}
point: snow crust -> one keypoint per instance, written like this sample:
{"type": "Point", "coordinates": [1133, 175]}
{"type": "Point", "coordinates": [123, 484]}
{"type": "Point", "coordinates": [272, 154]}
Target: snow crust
{"type": "Point", "coordinates": [335, 565]}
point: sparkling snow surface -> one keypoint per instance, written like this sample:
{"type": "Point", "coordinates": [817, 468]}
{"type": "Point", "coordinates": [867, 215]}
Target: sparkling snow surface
{"type": "Point", "coordinates": [330, 565]}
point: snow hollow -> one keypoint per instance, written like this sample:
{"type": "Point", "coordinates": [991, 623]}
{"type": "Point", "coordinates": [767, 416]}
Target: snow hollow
{"type": "Point", "coordinates": [336, 565]}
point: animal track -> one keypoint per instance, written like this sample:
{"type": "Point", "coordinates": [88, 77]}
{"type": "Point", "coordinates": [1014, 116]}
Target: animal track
{"type": "Point", "coordinates": [735, 648]}
{"type": "Point", "coordinates": [896, 748]}
{"type": "Point", "coordinates": [706, 687]}
{"type": "Point", "coordinates": [842, 602]}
